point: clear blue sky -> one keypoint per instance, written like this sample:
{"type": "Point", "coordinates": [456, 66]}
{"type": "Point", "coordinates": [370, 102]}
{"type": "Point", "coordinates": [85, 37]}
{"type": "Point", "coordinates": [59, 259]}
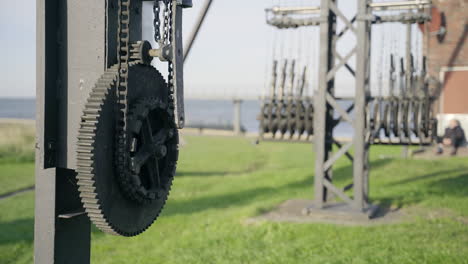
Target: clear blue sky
{"type": "Point", "coordinates": [231, 55]}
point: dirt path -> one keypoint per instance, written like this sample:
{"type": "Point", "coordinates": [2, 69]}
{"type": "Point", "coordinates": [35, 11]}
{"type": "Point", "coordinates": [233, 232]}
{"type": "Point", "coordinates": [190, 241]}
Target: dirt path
{"type": "Point", "coordinates": [16, 192]}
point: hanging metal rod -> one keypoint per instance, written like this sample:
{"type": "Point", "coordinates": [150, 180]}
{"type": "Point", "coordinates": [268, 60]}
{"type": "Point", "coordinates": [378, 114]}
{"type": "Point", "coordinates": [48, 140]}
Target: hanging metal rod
{"type": "Point", "coordinates": [415, 4]}
{"type": "Point", "coordinates": [196, 29]}
{"type": "Point", "coordinates": [294, 10]}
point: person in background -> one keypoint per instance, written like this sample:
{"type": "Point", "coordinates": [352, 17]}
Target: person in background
{"type": "Point", "coordinates": [454, 137]}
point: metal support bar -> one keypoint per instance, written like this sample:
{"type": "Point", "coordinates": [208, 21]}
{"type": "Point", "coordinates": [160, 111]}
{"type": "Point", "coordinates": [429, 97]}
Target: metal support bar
{"type": "Point", "coordinates": [348, 155]}
{"type": "Point", "coordinates": [348, 110]}
{"type": "Point", "coordinates": [416, 4]}
{"type": "Point", "coordinates": [338, 192]}
{"type": "Point", "coordinates": [237, 117]}
{"type": "Point", "coordinates": [345, 20]}
{"type": "Point", "coordinates": [349, 68]}
{"type": "Point", "coordinates": [346, 28]}
{"type": "Point", "coordinates": [332, 73]}
{"type": "Point", "coordinates": [344, 149]}
{"type": "Point", "coordinates": [56, 239]}
{"type": "Point", "coordinates": [344, 114]}
{"type": "Point", "coordinates": [294, 10]}
{"type": "Point", "coordinates": [323, 114]}
{"type": "Point", "coordinates": [408, 60]}
{"type": "Point", "coordinates": [198, 24]}
{"type": "Point", "coordinates": [360, 164]}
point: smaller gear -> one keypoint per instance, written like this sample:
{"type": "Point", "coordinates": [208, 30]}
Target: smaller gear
{"type": "Point", "coordinates": [140, 52]}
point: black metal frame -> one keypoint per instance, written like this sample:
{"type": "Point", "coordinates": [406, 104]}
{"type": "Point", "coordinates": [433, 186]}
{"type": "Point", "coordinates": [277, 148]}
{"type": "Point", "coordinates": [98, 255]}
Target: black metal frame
{"type": "Point", "coordinates": [62, 231]}
{"type": "Point", "coordinates": [325, 101]}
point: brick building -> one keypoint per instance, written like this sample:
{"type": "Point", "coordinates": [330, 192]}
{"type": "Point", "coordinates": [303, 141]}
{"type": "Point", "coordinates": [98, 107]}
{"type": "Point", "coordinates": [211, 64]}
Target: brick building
{"type": "Point", "coordinates": [447, 53]}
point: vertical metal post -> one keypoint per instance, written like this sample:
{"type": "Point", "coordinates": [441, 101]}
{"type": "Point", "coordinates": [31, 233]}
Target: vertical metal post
{"type": "Point", "coordinates": [325, 103]}
{"type": "Point", "coordinates": [408, 64]}
{"type": "Point", "coordinates": [237, 116]}
{"type": "Point", "coordinates": [408, 72]}
{"type": "Point", "coordinates": [323, 114]}
{"type": "Point", "coordinates": [61, 230]}
{"type": "Point", "coordinates": [45, 178]}
{"type": "Point", "coordinates": [360, 163]}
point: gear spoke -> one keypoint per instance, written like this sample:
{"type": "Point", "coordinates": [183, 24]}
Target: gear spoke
{"type": "Point", "coordinates": [156, 169]}
{"type": "Point", "coordinates": [153, 150]}
{"type": "Point", "coordinates": [141, 157]}
{"type": "Point", "coordinates": [151, 171]}
{"type": "Point", "coordinates": [161, 136]}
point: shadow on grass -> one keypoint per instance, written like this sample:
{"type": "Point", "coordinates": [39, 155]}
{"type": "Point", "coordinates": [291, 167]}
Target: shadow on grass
{"type": "Point", "coordinates": [202, 174]}
{"type": "Point", "coordinates": [453, 186]}
{"type": "Point", "coordinates": [346, 172]}
{"type": "Point", "coordinates": [427, 176]}
{"type": "Point", "coordinates": [21, 230]}
{"type": "Point", "coordinates": [252, 168]}
{"type": "Point", "coordinates": [438, 186]}
{"type": "Point", "coordinates": [196, 205]}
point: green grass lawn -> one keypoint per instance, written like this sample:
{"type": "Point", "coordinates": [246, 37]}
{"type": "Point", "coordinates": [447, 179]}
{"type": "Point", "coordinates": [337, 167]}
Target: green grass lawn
{"type": "Point", "coordinates": [16, 156]}
{"type": "Point", "coordinates": [15, 176]}
{"type": "Point", "coordinates": [222, 182]}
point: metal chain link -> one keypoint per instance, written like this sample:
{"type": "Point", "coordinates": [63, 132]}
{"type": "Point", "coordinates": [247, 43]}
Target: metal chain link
{"type": "Point", "coordinates": [170, 67]}
{"type": "Point", "coordinates": [123, 55]}
{"type": "Point", "coordinates": [156, 21]}
{"type": "Point", "coordinates": [166, 37]}
{"type": "Point", "coordinates": [123, 61]}
{"type": "Point", "coordinates": [167, 11]}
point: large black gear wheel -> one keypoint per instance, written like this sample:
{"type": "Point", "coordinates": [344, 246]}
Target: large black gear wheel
{"type": "Point", "coordinates": [113, 205]}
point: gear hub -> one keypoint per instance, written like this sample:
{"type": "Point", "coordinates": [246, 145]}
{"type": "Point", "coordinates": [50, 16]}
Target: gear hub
{"type": "Point", "coordinates": [152, 151]}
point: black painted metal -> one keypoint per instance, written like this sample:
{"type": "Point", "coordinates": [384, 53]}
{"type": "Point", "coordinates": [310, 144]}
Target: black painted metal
{"type": "Point", "coordinates": [72, 227]}
{"type": "Point", "coordinates": [54, 39]}
{"type": "Point", "coordinates": [62, 229]}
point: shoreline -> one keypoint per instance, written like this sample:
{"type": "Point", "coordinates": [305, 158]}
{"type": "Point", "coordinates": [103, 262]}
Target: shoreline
{"type": "Point", "coordinates": [4, 120]}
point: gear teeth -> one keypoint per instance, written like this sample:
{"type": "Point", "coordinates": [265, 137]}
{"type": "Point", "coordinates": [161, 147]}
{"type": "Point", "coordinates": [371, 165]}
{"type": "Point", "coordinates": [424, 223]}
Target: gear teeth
{"type": "Point", "coordinates": [93, 210]}
{"type": "Point", "coordinates": [92, 111]}
{"type": "Point", "coordinates": [86, 188]}
{"type": "Point", "coordinates": [86, 131]}
{"type": "Point", "coordinates": [89, 201]}
{"type": "Point", "coordinates": [85, 151]}
{"type": "Point", "coordinates": [94, 206]}
{"type": "Point", "coordinates": [85, 143]}
{"type": "Point", "coordinates": [86, 137]}
{"type": "Point", "coordinates": [84, 176]}
{"type": "Point", "coordinates": [94, 105]}
{"type": "Point", "coordinates": [93, 100]}
{"type": "Point", "coordinates": [85, 172]}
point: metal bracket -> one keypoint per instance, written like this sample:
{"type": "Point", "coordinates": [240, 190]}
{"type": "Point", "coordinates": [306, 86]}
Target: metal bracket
{"type": "Point", "coordinates": [185, 3]}
{"type": "Point", "coordinates": [178, 64]}
{"type": "Point", "coordinates": [165, 53]}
